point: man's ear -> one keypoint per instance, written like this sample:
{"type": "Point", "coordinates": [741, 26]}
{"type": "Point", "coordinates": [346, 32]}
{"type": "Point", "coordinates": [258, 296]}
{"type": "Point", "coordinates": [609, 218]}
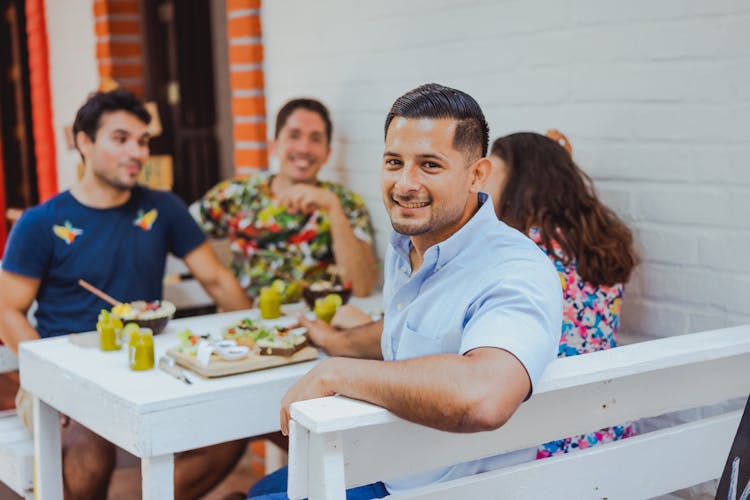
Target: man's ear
{"type": "Point", "coordinates": [84, 143]}
{"type": "Point", "coordinates": [480, 171]}
{"type": "Point", "coordinates": [272, 147]}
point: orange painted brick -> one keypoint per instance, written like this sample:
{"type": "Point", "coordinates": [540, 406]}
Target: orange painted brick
{"type": "Point", "coordinates": [250, 132]}
{"type": "Point", "coordinates": [124, 7]}
{"type": "Point", "coordinates": [135, 88]}
{"type": "Point", "coordinates": [258, 447]}
{"type": "Point", "coordinates": [109, 27]}
{"type": "Point", "coordinates": [100, 8]}
{"type": "Point", "coordinates": [119, 70]}
{"type": "Point", "coordinates": [105, 50]}
{"type": "Point", "coordinates": [245, 54]}
{"type": "Point", "coordinates": [247, 79]}
{"type": "Point", "coordinates": [248, 25]}
{"type": "Point", "coordinates": [104, 7]}
{"type": "Point", "coordinates": [248, 106]}
{"type": "Point", "coordinates": [242, 4]}
{"type": "Point", "coordinates": [251, 158]}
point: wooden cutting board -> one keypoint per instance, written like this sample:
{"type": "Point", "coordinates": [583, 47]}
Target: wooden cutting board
{"type": "Point", "coordinates": [218, 367]}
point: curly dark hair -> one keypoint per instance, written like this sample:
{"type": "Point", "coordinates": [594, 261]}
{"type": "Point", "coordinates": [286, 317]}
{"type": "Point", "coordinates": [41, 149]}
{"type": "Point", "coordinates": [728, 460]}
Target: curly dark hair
{"type": "Point", "coordinates": [89, 116]}
{"type": "Point", "coordinates": [544, 188]}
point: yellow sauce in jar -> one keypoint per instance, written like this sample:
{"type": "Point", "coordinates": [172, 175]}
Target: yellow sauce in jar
{"type": "Point", "coordinates": [110, 332]}
{"type": "Point", "coordinates": [269, 303]}
{"type": "Point", "coordinates": [141, 350]}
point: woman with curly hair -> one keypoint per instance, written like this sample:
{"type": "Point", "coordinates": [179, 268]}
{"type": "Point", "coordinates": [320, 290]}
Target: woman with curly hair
{"type": "Point", "coordinates": [539, 190]}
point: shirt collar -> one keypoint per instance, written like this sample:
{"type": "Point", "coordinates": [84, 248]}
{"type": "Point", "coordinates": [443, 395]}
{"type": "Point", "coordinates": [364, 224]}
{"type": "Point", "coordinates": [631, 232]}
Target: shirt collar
{"type": "Point", "coordinates": [442, 253]}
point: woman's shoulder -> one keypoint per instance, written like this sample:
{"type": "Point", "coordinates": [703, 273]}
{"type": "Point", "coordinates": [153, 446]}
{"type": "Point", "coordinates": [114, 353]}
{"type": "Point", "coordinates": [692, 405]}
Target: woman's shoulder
{"type": "Point", "coordinates": [557, 252]}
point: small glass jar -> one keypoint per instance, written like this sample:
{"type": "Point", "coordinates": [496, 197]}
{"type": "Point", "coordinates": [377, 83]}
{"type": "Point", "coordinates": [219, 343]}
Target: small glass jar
{"type": "Point", "coordinates": [110, 331]}
{"type": "Point", "coordinates": [109, 336]}
{"type": "Point", "coordinates": [141, 350]}
{"type": "Point", "coordinates": [269, 302]}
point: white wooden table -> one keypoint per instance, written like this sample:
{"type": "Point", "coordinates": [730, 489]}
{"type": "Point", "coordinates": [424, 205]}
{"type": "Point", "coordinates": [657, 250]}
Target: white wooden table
{"type": "Point", "coordinates": [150, 414]}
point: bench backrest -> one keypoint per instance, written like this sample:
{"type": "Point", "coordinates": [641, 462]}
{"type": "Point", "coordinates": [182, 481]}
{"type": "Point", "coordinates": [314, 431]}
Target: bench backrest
{"type": "Point", "coordinates": [337, 442]}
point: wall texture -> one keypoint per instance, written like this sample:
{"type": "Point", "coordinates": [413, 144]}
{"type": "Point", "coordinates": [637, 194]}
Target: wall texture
{"type": "Point", "coordinates": [73, 73]}
{"type": "Point", "coordinates": [655, 98]}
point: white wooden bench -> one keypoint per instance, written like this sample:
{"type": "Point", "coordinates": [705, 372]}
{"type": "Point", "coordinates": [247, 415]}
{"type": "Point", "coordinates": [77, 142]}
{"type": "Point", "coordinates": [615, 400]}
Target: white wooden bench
{"type": "Point", "coordinates": [336, 442]}
{"type": "Point", "coordinates": [16, 442]}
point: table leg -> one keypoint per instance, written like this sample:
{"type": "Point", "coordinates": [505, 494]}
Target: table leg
{"type": "Point", "coordinates": [157, 474]}
{"type": "Point", "coordinates": [47, 451]}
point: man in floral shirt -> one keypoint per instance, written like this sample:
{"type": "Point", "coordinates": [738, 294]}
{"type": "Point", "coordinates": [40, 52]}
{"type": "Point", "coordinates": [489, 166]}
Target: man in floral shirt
{"type": "Point", "coordinates": [291, 225]}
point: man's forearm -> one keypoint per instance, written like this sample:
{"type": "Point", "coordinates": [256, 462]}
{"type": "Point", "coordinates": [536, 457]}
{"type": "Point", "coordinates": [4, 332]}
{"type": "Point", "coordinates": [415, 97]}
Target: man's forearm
{"type": "Point", "coordinates": [353, 256]}
{"type": "Point", "coordinates": [359, 342]}
{"type": "Point", "coordinates": [227, 293]}
{"type": "Point", "coordinates": [15, 328]}
{"type": "Point", "coordinates": [446, 391]}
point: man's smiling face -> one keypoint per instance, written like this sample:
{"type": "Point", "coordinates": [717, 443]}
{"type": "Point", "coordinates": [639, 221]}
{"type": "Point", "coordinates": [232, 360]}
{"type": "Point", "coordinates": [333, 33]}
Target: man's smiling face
{"type": "Point", "coordinates": [302, 146]}
{"type": "Point", "coordinates": [428, 185]}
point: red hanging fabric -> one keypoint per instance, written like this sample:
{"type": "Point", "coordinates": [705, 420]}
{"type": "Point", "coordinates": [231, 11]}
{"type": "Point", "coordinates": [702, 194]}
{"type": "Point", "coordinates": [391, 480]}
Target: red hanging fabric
{"type": "Point", "coordinates": [41, 100]}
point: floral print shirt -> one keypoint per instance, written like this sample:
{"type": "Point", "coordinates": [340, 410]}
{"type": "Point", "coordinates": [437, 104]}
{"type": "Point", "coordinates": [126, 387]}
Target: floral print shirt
{"type": "Point", "coordinates": [267, 242]}
{"type": "Point", "coordinates": [591, 318]}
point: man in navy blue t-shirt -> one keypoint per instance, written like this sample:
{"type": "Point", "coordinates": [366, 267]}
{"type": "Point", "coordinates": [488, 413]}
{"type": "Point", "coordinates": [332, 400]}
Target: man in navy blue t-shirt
{"type": "Point", "coordinates": [116, 235]}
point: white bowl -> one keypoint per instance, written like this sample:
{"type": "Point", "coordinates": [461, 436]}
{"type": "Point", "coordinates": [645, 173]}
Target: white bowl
{"type": "Point", "coordinates": [233, 353]}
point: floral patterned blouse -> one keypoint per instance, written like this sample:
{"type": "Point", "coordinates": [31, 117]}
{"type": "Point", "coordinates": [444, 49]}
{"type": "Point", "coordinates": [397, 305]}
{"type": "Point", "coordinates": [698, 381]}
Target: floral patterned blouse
{"type": "Point", "coordinates": [267, 242]}
{"type": "Point", "coordinates": [591, 318]}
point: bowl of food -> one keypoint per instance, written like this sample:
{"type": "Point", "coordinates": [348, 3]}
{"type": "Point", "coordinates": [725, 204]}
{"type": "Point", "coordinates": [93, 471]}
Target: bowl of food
{"type": "Point", "coordinates": [154, 315]}
{"type": "Point", "coordinates": [321, 289]}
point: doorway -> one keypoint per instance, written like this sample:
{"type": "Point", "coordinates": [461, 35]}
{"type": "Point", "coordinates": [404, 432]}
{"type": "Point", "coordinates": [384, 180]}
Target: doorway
{"type": "Point", "coordinates": [16, 133]}
{"type": "Point", "coordinates": [179, 78]}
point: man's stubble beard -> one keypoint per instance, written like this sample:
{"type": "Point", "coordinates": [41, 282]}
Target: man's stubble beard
{"type": "Point", "coordinates": [436, 222]}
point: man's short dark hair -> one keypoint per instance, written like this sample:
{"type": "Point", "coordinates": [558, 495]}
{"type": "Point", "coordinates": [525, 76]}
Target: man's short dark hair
{"type": "Point", "coordinates": [436, 101]}
{"type": "Point", "coordinates": [309, 104]}
{"type": "Point", "coordinates": [89, 116]}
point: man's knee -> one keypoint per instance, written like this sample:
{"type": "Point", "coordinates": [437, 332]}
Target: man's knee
{"type": "Point", "coordinates": [197, 471]}
{"type": "Point", "coordinates": [88, 462]}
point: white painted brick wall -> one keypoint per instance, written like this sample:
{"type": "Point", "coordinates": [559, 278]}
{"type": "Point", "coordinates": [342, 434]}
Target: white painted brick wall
{"type": "Point", "coordinates": [655, 97]}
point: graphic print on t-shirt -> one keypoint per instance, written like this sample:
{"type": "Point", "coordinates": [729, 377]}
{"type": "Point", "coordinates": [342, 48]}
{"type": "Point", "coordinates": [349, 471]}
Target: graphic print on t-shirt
{"type": "Point", "coordinates": [146, 220]}
{"type": "Point", "coordinates": [67, 232]}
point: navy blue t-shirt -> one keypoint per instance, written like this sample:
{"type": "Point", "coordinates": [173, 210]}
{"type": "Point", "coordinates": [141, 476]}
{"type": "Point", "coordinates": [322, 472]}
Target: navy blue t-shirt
{"type": "Point", "coordinates": [120, 250]}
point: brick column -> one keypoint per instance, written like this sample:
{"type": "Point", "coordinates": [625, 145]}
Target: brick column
{"type": "Point", "coordinates": [246, 83]}
{"type": "Point", "coordinates": [41, 100]}
{"type": "Point", "coordinates": [119, 43]}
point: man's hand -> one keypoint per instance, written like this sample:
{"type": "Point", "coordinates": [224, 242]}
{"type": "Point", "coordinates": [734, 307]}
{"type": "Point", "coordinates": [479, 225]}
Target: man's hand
{"type": "Point", "coordinates": [305, 198]}
{"type": "Point", "coordinates": [354, 257]}
{"type": "Point", "coordinates": [316, 384]}
{"type": "Point", "coordinates": [319, 333]}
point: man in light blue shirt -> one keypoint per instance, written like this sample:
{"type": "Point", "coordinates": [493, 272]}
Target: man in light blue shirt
{"type": "Point", "coordinates": [472, 307]}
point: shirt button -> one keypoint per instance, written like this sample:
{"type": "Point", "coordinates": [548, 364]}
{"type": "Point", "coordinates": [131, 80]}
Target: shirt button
{"type": "Point", "coordinates": [404, 270]}
{"type": "Point", "coordinates": [400, 306]}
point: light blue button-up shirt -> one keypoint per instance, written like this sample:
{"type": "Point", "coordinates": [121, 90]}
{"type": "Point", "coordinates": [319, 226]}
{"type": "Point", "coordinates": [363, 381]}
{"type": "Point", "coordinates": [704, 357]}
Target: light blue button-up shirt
{"type": "Point", "coordinates": [487, 285]}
